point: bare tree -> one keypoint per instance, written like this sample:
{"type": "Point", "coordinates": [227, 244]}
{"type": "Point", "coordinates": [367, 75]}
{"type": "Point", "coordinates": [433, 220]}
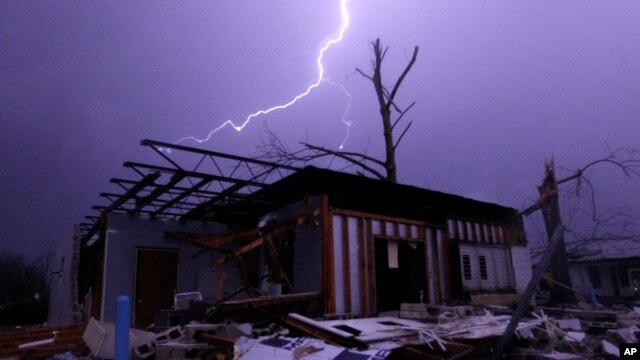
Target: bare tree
{"type": "Point", "coordinates": [621, 159]}
{"type": "Point", "coordinates": [386, 169]}
{"type": "Point", "coordinates": [23, 289]}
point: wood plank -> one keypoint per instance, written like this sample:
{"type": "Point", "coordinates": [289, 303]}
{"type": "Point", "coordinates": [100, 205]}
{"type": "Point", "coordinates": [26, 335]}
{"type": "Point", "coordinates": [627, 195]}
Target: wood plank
{"type": "Point", "coordinates": [511, 236]}
{"type": "Point", "coordinates": [346, 264]}
{"type": "Point", "coordinates": [446, 259]}
{"type": "Point", "coordinates": [265, 301]}
{"type": "Point", "coordinates": [238, 252]}
{"type": "Point", "coordinates": [436, 264]}
{"type": "Point", "coordinates": [371, 269]}
{"type": "Point", "coordinates": [328, 274]}
{"type": "Point", "coordinates": [427, 291]}
{"type": "Point", "coordinates": [465, 230]}
{"type": "Point", "coordinates": [370, 216]}
{"type": "Point", "coordinates": [274, 257]}
{"type": "Point", "coordinates": [217, 239]}
{"type": "Point", "coordinates": [362, 266]}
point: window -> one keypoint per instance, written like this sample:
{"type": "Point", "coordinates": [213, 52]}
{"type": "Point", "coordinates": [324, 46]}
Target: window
{"type": "Point", "coordinates": [466, 266]}
{"type": "Point", "coordinates": [482, 260]}
{"type": "Point", "coordinates": [594, 276]}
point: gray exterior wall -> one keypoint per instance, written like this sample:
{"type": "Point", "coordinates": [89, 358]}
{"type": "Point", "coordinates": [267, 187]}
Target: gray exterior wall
{"type": "Point", "coordinates": [125, 234]}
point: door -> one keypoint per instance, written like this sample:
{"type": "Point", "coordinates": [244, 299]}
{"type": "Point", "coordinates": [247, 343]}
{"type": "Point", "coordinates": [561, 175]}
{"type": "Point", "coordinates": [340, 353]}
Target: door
{"type": "Point", "coordinates": [156, 283]}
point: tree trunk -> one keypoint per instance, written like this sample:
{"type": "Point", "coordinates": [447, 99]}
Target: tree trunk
{"type": "Point", "coordinates": [385, 112]}
{"type": "Point", "coordinates": [551, 213]}
{"type": "Point", "coordinates": [390, 160]}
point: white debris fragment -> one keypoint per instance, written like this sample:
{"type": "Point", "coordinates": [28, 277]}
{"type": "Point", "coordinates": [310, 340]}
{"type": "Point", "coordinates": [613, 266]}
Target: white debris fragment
{"type": "Point", "coordinates": [610, 349]}
{"type": "Point", "coordinates": [569, 324]}
{"type": "Point", "coordinates": [628, 335]}
{"type": "Point", "coordinates": [575, 336]}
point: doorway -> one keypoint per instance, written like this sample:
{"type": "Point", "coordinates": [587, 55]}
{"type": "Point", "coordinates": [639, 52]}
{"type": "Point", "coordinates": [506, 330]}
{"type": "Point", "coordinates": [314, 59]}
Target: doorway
{"type": "Point", "coordinates": [156, 283]}
{"type": "Point", "coordinates": [400, 273]}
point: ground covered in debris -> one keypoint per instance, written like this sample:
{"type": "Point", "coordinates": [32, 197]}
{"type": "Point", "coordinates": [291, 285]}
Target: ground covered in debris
{"type": "Point", "coordinates": [416, 331]}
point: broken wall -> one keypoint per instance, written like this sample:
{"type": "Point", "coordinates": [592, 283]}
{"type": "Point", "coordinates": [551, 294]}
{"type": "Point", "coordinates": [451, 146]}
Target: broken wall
{"type": "Point", "coordinates": [62, 288]}
{"type": "Point", "coordinates": [125, 234]}
{"type": "Point", "coordinates": [522, 269]}
{"type": "Point", "coordinates": [307, 253]}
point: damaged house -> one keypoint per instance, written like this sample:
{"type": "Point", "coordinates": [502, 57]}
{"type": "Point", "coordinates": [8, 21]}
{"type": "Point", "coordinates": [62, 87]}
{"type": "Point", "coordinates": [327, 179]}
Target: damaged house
{"type": "Point", "coordinates": [611, 266]}
{"type": "Point", "coordinates": [245, 231]}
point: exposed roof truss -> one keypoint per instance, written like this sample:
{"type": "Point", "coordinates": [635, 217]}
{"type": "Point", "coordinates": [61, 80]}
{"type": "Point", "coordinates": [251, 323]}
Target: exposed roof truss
{"type": "Point", "coordinates": [189, 183]}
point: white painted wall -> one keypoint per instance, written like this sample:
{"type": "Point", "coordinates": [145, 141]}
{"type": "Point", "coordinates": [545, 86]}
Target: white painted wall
{"type": "Point", "coordinates": [522, 271]}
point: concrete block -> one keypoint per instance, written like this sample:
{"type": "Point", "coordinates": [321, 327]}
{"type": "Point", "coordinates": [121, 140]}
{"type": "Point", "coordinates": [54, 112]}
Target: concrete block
{"type": "Point", "coordinates": [171, 334]}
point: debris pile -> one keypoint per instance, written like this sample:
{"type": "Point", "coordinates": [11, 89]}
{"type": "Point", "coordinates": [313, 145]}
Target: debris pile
{"type": "Point", "coordinates": [420, 331]}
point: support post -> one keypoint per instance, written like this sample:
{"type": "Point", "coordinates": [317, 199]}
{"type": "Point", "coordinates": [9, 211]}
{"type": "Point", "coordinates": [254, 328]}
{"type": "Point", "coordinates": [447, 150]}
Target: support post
{"type": "Point", "coordinates": [528, 293]}
{"type": "Point", "coordinates": [123, 323]}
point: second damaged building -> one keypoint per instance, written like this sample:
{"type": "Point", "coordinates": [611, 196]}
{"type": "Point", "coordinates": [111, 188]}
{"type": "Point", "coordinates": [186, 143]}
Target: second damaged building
{"type": "Point", "coordinates": [346, 244]}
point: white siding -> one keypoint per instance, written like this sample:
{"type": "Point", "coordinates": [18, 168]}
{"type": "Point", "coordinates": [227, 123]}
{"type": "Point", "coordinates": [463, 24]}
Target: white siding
{"type": "Point", "coordinates": [430, 266]}
{"type": "Point", "coordinates": [521, 262]}
{"type": "Point", "coordinates": [389, 228]}
{"type": "Point", "coordinates": [402, 228]}
{"type": "Point", "coordinates": [414, 231]}
{"type": "Point", "coordinates": [376, 227]}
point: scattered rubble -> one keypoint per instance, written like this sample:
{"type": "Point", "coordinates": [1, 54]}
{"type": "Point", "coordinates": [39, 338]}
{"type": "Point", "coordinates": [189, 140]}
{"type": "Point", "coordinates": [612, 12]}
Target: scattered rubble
{"type": "Point", "coordinates": [419, 332]}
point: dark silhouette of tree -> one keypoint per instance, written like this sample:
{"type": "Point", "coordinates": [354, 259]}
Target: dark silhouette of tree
{"type": "Point", "coordinates": [24, 289]}
{"type": "Point", "coordinates": [275, 149]}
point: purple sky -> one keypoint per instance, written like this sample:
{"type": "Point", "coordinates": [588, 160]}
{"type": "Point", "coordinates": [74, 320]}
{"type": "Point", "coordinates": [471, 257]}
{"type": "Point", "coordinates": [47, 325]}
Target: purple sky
{"type": "Point", "coordinates": [500, 87]}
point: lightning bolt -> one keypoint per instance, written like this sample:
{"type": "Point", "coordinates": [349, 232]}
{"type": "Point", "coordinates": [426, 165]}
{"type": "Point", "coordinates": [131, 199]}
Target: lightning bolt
{"type": "Point", "coordinates": [344, 14]}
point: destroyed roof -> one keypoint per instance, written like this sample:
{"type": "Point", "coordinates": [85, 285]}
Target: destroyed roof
{"type": "Point", "coordinates": [203, 185]}
{"type": "Point", "coordinates": [188, 180]}
{"type": "Point", "coordinates": [360, 193]}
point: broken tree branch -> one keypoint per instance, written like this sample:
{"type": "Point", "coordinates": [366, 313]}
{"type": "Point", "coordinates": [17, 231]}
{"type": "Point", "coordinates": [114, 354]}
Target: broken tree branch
{"type": "Point", "coordinates": [324, 151]}
{"type": "Point", "coordinates": [404, 74]}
